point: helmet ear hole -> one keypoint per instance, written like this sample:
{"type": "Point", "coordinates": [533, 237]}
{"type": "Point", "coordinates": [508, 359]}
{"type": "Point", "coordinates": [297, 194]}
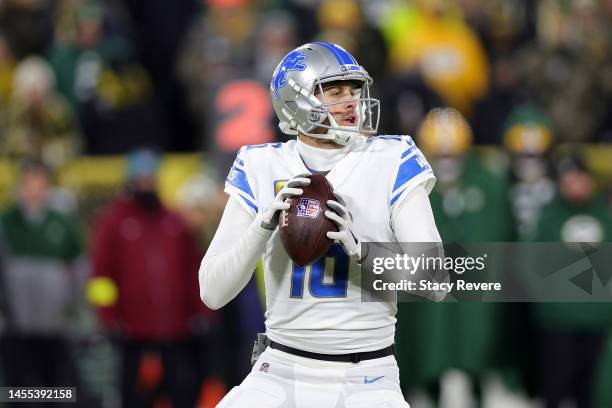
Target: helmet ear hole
{"type": "Point", "coordinates": [316, 117]}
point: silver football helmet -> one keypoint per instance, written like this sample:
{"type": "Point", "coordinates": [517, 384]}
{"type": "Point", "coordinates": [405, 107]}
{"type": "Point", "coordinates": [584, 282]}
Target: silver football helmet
{"type": "Point", "coordinates": [297, 78]}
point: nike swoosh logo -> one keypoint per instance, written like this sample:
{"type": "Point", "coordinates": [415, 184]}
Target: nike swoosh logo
{"type": "Point", "coordinates": [367, 380]}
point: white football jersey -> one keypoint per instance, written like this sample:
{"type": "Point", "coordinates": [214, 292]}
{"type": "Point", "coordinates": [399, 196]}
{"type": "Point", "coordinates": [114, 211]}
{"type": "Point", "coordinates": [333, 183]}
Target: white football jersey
{"type": "Point", "coordinates": [318, 308]}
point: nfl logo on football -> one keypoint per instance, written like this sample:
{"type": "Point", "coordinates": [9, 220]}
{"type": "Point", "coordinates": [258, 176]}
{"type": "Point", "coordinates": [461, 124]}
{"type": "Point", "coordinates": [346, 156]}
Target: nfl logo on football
{"type": "Point", "coordinates": [308, 207]}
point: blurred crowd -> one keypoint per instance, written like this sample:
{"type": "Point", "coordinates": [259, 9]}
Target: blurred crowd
{"type": "Point", "coordinates": [507, 98]}
{"type": "Point", "coordinates": [92, 77]}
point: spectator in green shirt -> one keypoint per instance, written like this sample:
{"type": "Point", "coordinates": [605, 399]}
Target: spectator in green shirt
{"type": "Point", "coordinates": [40, 285]}
{"type": "Point", "coordinates": [570, 336]}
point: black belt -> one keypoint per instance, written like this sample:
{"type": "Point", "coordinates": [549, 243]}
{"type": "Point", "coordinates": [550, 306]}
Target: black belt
{"type": "Point", "coordinates": [347, 358]}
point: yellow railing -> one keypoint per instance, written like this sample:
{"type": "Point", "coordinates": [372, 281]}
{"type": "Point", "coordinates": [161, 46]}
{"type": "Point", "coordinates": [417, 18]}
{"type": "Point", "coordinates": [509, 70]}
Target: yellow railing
{"type": "Point", "coordinates": [106, 172]}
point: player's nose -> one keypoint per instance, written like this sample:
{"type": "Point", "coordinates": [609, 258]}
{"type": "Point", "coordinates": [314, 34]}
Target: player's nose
{"type": "Point", "coordinates": [349, 104]}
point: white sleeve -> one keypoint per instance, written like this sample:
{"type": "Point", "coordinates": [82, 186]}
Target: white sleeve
{"type": "Point", "coordinates": [412, 219]}
{"type": "Point", "coordinates": [232, 255]}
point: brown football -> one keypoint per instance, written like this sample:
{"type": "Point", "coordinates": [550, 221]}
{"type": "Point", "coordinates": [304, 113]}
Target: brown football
{"type": "Point", "coordinates": [304, 226]}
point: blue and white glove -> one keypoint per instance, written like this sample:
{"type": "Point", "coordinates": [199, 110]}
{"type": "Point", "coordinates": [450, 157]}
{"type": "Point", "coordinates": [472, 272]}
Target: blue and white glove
{"type": "Point", "coordinates": [342, 218]}
{"type": "Point", "coordinates": [269, 219]}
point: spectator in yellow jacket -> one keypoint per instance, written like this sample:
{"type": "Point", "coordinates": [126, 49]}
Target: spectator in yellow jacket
{"type": "Point", "coordinates": [434, 39]}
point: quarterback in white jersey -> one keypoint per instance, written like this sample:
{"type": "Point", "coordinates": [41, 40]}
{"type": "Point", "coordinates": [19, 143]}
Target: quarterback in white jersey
{"type": "Point", "coordinates": [327, 348]}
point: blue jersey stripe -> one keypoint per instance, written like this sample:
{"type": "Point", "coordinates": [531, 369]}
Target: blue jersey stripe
{"type": "Point", "coordinates": [410, 142]}
{"type": "Point", "coordinates": [373, 138]}
{"type": "Point", "coordinates": [237, 178]}
{"type": "Point", "coordinates": [250, 204]}
{"type": "Point", "coordinates": [407, 170]}
{"type": "Point", "coordinates": [394, 199]}
{"type": "Point", "coordinates": [259, 146]}
{"type": "Point", "coordinates": [408, 151]}
{"type": "Point", "coordinates": [238, 164]}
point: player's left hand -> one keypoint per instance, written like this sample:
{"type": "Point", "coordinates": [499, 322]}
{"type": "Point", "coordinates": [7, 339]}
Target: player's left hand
{"type": "Point", "coordinates": [342, 218]}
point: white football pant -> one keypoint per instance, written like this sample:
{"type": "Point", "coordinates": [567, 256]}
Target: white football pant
{"type": "Point", "coordinates": [283, 380]}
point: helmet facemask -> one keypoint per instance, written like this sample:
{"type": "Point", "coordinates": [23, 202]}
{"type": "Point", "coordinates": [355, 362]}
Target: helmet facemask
{"type": "Point", "coordinates": [366, 110]}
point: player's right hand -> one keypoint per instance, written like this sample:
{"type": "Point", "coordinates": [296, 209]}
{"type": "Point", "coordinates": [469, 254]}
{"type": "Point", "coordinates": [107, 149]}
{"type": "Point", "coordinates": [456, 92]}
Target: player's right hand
{"type": "Point", "coordinates": [269, 219]}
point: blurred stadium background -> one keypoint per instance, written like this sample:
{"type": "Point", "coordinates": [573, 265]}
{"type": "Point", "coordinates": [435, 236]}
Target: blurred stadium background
{"type": "Point", "coordinates": [520, 145]}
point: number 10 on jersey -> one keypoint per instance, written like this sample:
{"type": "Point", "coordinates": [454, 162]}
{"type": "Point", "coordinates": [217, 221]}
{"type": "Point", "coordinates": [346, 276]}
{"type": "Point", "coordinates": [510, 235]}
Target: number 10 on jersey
{"type": "Point", "coordinates": [333, 266]}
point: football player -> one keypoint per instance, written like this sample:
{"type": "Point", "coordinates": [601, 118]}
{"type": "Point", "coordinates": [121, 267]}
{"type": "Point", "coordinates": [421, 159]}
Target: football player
{"type": "Point", "coordinates": [326, 347]}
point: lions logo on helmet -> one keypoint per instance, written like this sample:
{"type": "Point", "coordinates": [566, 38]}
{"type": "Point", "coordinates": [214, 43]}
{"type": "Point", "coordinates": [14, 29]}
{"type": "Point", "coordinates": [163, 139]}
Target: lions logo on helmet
{"type": "Point", "coordinates": [292, 62]}
{"type": "Point", "coordinates": [300, 111]}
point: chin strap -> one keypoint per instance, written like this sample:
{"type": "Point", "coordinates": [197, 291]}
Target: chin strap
{"type": "Point", "coordinates": [339, 135]}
